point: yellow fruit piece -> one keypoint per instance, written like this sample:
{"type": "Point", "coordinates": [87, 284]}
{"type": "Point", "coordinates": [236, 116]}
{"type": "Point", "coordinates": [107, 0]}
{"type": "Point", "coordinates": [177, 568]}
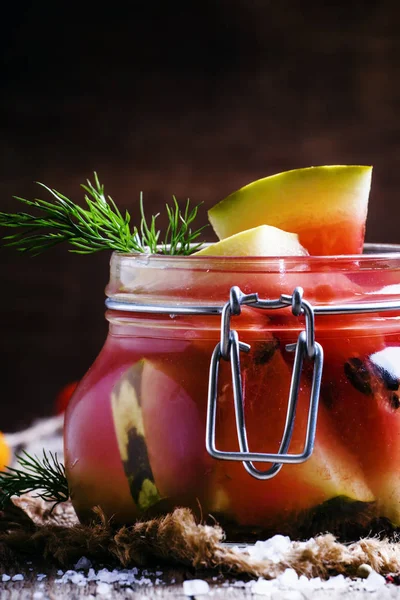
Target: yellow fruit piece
{"type": "Point", "coordinates": [264, 240]}
{"type": "Point", "coordinates": [326, 206]}
{"type": "Point", "coordinates": [5, 452]}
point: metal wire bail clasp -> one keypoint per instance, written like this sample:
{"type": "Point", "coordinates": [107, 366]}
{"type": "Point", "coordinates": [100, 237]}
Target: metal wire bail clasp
{"type": "Point", "coordinates": [229, 348]}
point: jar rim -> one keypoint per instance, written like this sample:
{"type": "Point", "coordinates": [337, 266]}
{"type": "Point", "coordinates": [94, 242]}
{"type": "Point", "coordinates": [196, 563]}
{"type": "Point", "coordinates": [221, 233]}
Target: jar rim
{"type": "Point", "coordinates": [372, 251]}
{"type": "Point", "coordinates": [205, 280]}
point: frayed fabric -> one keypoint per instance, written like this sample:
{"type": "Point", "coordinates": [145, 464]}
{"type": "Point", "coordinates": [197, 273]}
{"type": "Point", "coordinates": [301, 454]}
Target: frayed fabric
{"type": "Point", "coordinates": [29, 530]}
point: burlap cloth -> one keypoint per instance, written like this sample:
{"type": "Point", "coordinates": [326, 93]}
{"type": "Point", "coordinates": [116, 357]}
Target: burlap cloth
{"type": "Point", "coordinates": [29, 531]}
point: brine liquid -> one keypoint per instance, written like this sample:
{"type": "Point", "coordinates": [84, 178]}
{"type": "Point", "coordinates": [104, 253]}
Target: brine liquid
{"type": "Point", "coordinates": [135, 431]}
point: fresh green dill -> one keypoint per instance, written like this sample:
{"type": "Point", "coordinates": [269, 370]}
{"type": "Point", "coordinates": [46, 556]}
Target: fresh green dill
{"type": "Point", "coordinates": [46, 477]}
{"type": "Point", "coordinates": [98, 226]}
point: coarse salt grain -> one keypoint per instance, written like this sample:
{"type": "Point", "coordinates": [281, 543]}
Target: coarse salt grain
{"type": "Point", "coordinates": [124, 577]}
{"type": "Point", "coordinates": [195, 587]}
{"type": "Point", "coordinates": [288, 578]}
{"type": "Point", "coordinates": [287, 595]}
{"type": "Point", "coordinates": [5, 577]}
{"type": "Point", "coordinates": [103, 589]}
{"type": "Point", "coordinates": [374, 581]}
{"type": "Point", "coordinates": [273, 549]}
{"type": "Point", "coordinates": [18, 577]}
{"type": "Point", "coordinates": [337, 582]}
{"type": "Point", "coordinates": [83, 563]}
{"type": "Point", "coordinates": [263, 587]}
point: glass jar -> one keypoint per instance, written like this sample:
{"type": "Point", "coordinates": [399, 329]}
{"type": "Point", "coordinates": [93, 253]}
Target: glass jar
{"type": "Point", "coordinates": [135, 430]}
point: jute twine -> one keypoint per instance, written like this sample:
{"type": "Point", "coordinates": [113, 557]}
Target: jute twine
{"type": "Point", "coordinates": [29, 531]}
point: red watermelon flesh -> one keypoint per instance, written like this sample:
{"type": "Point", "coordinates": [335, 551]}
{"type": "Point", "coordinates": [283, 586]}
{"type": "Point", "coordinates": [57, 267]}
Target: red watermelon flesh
{"type": "Point", "coordinates": [331, 471]}
{"type": "Point", "coordinates": [174, 409]}
{"type": "Point", "coordinates": [360, 390]}
{"type": "Point", "coordinates": [326, 206]}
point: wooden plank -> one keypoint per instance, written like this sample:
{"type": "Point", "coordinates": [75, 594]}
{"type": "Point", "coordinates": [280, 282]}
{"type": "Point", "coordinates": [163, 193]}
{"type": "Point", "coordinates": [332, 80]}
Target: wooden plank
{"type": "Point", "coordinates": [30, 588]}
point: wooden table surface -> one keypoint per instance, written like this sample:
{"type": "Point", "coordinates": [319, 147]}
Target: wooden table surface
{"type": "Point", "coordinates": [235, 589]}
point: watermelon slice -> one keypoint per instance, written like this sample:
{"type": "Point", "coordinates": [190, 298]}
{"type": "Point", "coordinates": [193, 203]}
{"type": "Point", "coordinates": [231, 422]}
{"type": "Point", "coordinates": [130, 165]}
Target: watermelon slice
{"type": "Point", "coordinates": [361, 390]}
{"type": "Point", "coordinates": [264, 240]}
{"type": "Point", "coordinates": [172, 420]}
{"type": "Point", "coordinates": [128, 422]}
{"type": "Point", "coordinates": [331, 472]}
{"type": "Point", "coordinates": [326, 206]}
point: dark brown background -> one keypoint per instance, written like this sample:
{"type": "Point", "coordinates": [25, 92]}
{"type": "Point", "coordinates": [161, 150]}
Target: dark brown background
{"type": "Point", "coordinates": [192, 101]}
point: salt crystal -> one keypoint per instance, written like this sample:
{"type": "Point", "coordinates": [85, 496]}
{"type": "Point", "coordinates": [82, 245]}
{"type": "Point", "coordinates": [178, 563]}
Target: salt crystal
{"type": "Point", "coordinates": [41, 576]}
{"type": "Point", "coordinates": [91, 575]}
{"type": "Point", "coordinates": [303, 582]}
{"type": "Point", "coordinates": [336, 582]}
{"type": "Point", "coordinates": [195, 587]}
{"type": "Point", "coordinates": [316, 583]}
{"type": "Point", "coordinates": [159, 573]}
{"type": "Point", "coordinates": [59, 572]}
{"type": "Point", "coordinates": [18, 577]}
{"type": "Point", "coordinates": [263, 587]}
{"type": "Point", "coordinates": [288, 595]}
{"type": "Point", "coordinates": [288, 578]}
{"type": "Point", "coordinates": [76, 578]}
{"type": "Point", "coordinates": [103, 589]}
{"type": "Point", "coordinates": [105, 576]}
{"type": "Point", "coordinates": [238, 584]}
{"type": "Point", "coordinates": [273, 549]}
{"type": "Point", "coordinates": [374, 581]}
{"type": "Point", "coordinates": [83, 563]}
{"type": "Point", "coordinates": [5, 577]}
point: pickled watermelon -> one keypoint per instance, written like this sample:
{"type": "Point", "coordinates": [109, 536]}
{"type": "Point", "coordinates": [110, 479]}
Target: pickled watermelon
{"type": "Point", "coordinates": [361, 391]}
{"type": "Point", "coordinates": [331, 472]}
{"type": "Point", "coordinates": [264, 240]}
{"type": "Point", "coordinates": [171, 422]}
{"type": "Point", "coordinates": [326, 206]}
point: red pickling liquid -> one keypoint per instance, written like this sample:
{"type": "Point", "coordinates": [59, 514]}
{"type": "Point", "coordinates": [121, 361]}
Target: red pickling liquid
{"type": "Point", "coordinates": [135, 427]}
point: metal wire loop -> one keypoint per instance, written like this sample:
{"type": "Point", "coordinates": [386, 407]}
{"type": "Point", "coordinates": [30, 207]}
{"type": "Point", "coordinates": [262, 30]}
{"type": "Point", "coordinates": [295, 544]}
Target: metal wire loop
{"type": "Point", "coordinates": [245, 455]}
{"type": "Point", "coordinates": [229, 349]}
{"type": "Point", "coordinates": [297, 298]}
{"type": "Point", "coordinates": [233, 307]}
{"type": "Point", "coordinates": [235, 300]}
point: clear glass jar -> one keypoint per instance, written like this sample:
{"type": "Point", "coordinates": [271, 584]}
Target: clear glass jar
{"type": "Point", "coordinates": [135, 428]}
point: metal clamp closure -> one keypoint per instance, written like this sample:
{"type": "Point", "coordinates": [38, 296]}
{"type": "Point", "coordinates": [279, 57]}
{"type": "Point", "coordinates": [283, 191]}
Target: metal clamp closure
{"type": "Point", "coordinates": [229, 348]}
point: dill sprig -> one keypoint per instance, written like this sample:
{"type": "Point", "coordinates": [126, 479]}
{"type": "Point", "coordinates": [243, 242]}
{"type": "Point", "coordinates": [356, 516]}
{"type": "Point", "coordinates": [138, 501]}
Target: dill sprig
{"type": "Point", "coordinates": [98, 226]}
{"type": "Point", "coordinates": [179, 238]}
{"type": "Point", "coordinates": [46, 477]}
